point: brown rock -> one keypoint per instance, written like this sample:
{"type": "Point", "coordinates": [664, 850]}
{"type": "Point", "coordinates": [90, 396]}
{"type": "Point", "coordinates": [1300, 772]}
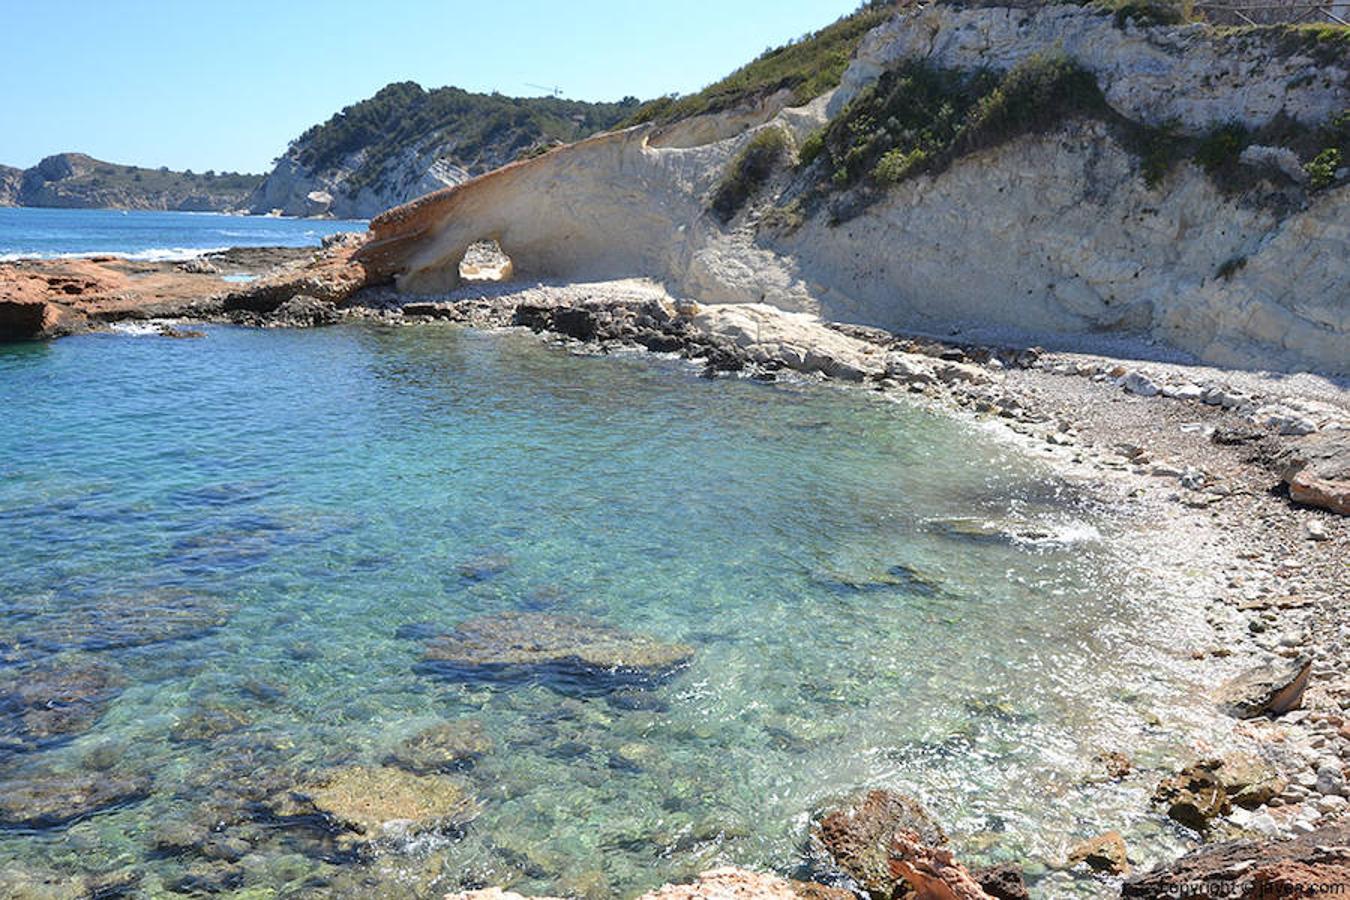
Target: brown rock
{"type": "Point", "coordinates": [1317, 470]}
{"type": "Point", "coordinates": [1271, 689]}
{"type": "Point", "coordinates": [858, 836]}
{"type": "Point", "coordinates": [48, 799]}
{"type": "Point", "coordinates": [1249, 782]}
{"type": "Point", "coordinates": [1195, 796]}
{"type": "Point", "coordinates": [931, 873]}
{"type": "Point", "coordinates": [1116, 764]}
{"type": "Point", "coordinates": [1314, 864]}
{"type": "Point", "coordinates": [1105, 853]}
{"type": "Point", "coordinates": [1003, 882]}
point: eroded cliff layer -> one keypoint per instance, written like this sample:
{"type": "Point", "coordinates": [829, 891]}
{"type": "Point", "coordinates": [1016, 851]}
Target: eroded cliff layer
{"type": "Point", "coordinates": [1178, 183]}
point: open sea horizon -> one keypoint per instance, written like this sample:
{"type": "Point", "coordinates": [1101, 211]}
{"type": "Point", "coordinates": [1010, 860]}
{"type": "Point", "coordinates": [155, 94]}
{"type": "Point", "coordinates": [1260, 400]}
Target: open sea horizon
{"type": "Point", "coordinates": [151, 235]}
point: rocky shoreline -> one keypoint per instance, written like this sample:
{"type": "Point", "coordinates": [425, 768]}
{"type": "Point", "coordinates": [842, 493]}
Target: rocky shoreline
{"type": "Point", "coordinates": [1242, 478]}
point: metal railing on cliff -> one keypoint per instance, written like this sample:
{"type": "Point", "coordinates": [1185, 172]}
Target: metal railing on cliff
{"type": "Point", "coordinates": [1275, 13]}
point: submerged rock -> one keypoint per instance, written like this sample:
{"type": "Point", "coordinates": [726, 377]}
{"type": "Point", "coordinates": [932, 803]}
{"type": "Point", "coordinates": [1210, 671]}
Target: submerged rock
{"type": "Point", "coordinates": [54, 701]}
{"type": "Point", "coordinates": [209, 723]}
{"type": "Point", "coordinates": [443, 748]}
{"type": "Point", "coordinates": [1316, 863]}
{"type": "Point", "coordinates": [583, 651]}
{"type": "Point", "coordinates": [114, 622]}
{"type": "Point", "coordinates": [1272, 689]}
{"type": "Point", "coordinates": [371, 802]}
{"type": "Point", "coordinates": [857, 836]}
{"type": "Point", "coordinates": [47, 799]}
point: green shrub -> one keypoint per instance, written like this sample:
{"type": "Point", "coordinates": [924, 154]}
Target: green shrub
{"type": "Point", "coordinates": [749, 171]}
{"type": "Point", "coordinates": [1322, 169]}
{"type": "Point", "coordinates": [1219, 150]}
{"type": "Point", "coordinates": [808, 67]}
{"type": "Point", "coordinates": [1151, 12]}
{"type": "Point", "coordinates": [811, 147]}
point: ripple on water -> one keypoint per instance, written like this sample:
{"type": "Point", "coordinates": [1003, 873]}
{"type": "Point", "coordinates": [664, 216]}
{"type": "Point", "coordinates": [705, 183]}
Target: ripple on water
{"type": "Point", "coordinates": [680, 614]}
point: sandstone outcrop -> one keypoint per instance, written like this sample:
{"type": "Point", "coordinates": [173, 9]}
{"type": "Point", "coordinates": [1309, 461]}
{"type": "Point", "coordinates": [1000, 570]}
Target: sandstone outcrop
{"type": "Point", "coordinates": [1050, 233]}
{"type": "Point", "coordinates": [859, 837]}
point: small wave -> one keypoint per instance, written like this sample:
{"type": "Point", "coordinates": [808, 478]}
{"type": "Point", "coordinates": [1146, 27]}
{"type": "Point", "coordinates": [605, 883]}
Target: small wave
{"type": "Point", "coordinates": [137, 329]}
{"type": "Point", "coordinates": [154, 254]}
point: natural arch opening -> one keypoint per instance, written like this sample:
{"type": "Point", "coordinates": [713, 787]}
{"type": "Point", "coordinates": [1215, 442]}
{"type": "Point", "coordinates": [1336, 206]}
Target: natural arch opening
{"type": "Point", "coordinates": [485, 261]}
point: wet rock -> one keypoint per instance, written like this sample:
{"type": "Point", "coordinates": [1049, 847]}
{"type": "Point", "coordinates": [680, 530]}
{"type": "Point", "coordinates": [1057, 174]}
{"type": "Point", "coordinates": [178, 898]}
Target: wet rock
{"type": "Point", "coordinates": [443, 748]}
{"type": "Point", "coordinates": [857, 836]}
{"type": "Point", "coordinates": [207, 879]}
{"type": "Point", "coordinates": [1195, 796]}
{"type": "Point", "coordinates": [48, 799]}
{"type": "Point", "coordinates": [373, 802]}
{"type": "Point", "coordinates": [1312, 864]}
{"type": "Point", "coordinates": [182, 334]}
{"type": "Point", "coordinates": [304, 311]}
{"type": "Point", "coordinates": [1116, 764]}
{"type": "Point", "coordinates": [54, 701]}
{"type": "Point", "coordinates": [581, 652]}
{"type": "Point", "coordinates": [1249, 782]}
{"type": "Point", "coordinates": [1105, 854]}
{"type": "Point", "coordinates": [1317, 470]}
{"type": "Point", "coordinates": [1003, 882]}
{"type": "Point", "coordinates": [31, 884]}
{"type": "Point", "coordinates": [1271, 689]}
{"type": "Point", "coordinates": [114, 622]}
{"type": "Point", "coordinates": [734, 884]}
{"type": "Point", "coordinates": [923, 871]}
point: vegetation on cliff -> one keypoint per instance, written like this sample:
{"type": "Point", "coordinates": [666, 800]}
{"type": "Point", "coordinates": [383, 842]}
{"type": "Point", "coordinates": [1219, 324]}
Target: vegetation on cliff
{"type": "Point", "coordinates": [808, 67]}
{"type": "Point", "coordinates": [475, 129]}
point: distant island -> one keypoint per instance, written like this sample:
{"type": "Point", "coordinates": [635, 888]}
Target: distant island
{"type": "Point", "coordinates": [401, 143]}
{"type": "Point", "coordinates": [78, 181]}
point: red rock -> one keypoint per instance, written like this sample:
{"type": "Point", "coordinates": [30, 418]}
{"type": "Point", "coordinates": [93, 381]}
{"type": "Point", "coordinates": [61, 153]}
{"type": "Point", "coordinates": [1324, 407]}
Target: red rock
{"type": "Point", "coordinates": [931, 873]}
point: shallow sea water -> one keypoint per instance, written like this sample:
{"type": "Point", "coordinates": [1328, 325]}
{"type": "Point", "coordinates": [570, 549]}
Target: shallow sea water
{"type": "Point", "coordinates": [335, 487]}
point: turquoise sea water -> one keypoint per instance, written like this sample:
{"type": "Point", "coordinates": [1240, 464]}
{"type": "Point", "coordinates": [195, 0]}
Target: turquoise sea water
{"type": "Point", "coordinates": [151, 235]}
{"type": "Point", "coordinates": [339, 493]}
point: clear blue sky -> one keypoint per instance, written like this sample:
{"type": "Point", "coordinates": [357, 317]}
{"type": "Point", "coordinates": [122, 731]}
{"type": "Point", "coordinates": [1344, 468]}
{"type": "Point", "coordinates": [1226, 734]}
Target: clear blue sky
{"type": "Point", "coordinates": [226, 85]}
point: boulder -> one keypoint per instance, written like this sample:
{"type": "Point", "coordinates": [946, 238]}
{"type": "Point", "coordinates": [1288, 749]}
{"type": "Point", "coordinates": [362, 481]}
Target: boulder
{"type": "Point", "coordinates": [1105, 853]}
{"type": "Point", "coordinates": [48, 799]}
{"type": "Point", "coordinates": [857, 836]}
{"type": "Point", "coordinates": [577, 652]}
{"type": "Point", "coordinates": [1312, 864]}
{"type": "Point", "coordinates": [1317, 470]}
{"type": "Point", "coordinates": [1273, 689]}
{"type": "Point", "coordinates": [443, 748]}
{"type": "Point", "coordinates": [1249, 782]}
{"type": "Point", "coordinates": [924, 872]}
{"type": "Point", "coordinates": [1195, 796]}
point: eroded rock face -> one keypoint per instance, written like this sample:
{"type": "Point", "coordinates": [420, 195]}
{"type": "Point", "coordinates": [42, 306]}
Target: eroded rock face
{"type": "Point", "coordinates": [858, 836]}
{"type": "Point", "coordinates": [930, 873]}
{"type": "Point", "coordinates": [1310, 865]}
{"type": "Point", "coordinates": [48, 799]}
{"type": "Point", "coordinates": [1271, 689]}
{"type": "Point", "coordinates": [1317, 470]}
{"type": "Point", "coordinates": [582, 652]}
{"type": "Point", "coordinates": [371, 802]}
{"type": "Point", "coordinates": [447, 747]}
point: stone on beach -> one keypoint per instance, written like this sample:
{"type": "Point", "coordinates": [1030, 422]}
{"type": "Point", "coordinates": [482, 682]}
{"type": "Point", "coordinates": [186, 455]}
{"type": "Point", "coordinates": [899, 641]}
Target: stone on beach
{"type": "Point", "coordinates": [1317, 470]}
{"type": "Point", "coordinates": [512, 645]}
{"type": "Point", "coordinates": [1273, 688]}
